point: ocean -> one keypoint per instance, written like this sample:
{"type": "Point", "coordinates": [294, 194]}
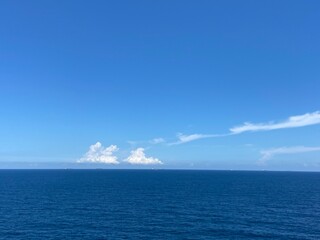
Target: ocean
{"type": "Point", "coordinates": [158, 204]}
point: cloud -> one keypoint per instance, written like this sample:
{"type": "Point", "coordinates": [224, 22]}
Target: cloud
{"type": "Point", "coordinates": [157, 141]}
{"type": "Point", "coordinates": [270, 153]}
{"type": "Point", "coordinates": [132, 142]}
{"type": "Point", "coordinates": [99, 154]}
{"type": "Point", "coordinates": [138, 157]}
{"type": "Point", "coordinates": [192, 137]}
{"type": "Point", "coordinates": [292, 122]}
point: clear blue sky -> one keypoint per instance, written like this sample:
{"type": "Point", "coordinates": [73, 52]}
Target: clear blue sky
{"type": "Point", "coordinates": [73, 73]}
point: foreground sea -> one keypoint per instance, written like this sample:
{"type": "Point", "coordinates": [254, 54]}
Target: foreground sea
{"type": "Point", "coordinates": [158, 204]}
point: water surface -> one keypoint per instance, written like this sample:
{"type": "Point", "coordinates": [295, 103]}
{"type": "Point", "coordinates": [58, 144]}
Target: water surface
{"type": "Point", "coordinates": [158, 204]}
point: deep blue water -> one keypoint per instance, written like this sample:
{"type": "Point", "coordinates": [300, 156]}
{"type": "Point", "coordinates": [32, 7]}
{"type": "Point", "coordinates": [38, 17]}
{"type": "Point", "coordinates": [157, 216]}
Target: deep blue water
{"type": "Point", "coordinates": [141, 204]}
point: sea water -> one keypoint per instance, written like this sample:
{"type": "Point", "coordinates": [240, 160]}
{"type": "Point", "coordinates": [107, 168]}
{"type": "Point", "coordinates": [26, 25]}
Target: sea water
{"type": "Point", "coordinates": [158, 204]}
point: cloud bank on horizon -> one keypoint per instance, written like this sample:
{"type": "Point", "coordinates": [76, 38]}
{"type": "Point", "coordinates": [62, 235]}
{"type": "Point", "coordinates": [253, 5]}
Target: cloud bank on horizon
{"type": "Point", "coordinates": [138, 157]}
{"type": "Point", "coordinates": [99, 154]}
{"type": "Point", "coordinates": [292, 122]}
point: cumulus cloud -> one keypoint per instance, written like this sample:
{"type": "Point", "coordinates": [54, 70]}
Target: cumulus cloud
{"type": "Point", "coordinates": [292, 122]}
{"type": "Point", "coordinates": [270, 153]}
{"type": "Point", "coordinates": [99, 154]}
{"type": "Point", "coordinates": [138, 157]}
{"type": "Point", "coordinates": [157, 141]}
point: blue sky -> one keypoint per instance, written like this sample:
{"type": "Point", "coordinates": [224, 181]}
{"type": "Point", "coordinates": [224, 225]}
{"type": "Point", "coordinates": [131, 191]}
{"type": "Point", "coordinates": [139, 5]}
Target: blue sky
{"type": "Point", "coordinates": [115, 75]}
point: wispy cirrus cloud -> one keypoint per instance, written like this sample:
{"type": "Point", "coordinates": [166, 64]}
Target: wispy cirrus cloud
{"type": "Point", "coordinates": [99, 154]}
{"type": "Point", "coordinates": [157, 141]}
{"type": "Point", "coordinates": [270, 153]}
{"type": "Point", "coordinates": [182, 138]}
{"type": "Point", "coordinates": [292, 122]}
{"type": "Point", "coordinates": [138, 156]}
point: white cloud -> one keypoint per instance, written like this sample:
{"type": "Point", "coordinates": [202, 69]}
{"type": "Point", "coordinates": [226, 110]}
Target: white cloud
{"type": "Point", "coordinates": [291, 122]}
{"type": "Point", "coordinates": [192, 137]}
{"type": "Point", "coordinates": [132, 142]}
{"type": "Point", "coordinates": [99, 154]}
{"type": "Point", "coordinates": [248, 145]}
{"type": "Point", "coordinates": [157, 141]}
{"type": "Point", "coordinates": [138, 157]}
{"type": "Point", "coordinates": [188, 138]}
{"type": "Point", "coordinates": [268, 154]}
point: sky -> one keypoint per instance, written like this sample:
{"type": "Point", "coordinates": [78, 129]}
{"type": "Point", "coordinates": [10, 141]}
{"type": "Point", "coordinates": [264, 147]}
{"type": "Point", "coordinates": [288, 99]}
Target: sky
{"type": "Point", "coordinates": [160, 84]}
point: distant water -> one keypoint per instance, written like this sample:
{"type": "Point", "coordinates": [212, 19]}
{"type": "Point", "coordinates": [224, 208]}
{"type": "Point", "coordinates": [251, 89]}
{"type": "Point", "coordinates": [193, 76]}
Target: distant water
{"type": "Point", "coordinates": [141, 204]}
